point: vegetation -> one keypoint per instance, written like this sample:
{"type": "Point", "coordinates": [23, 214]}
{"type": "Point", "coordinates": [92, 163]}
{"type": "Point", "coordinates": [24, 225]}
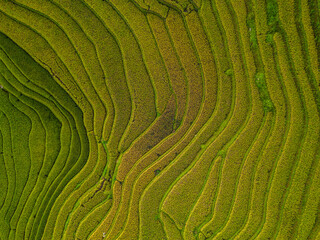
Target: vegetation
{"type": "Point", "coordinates": [252, 30]}
{"type": "Point", "coordinates": [171, 119]}
{"type": "Point", "coordinates": [263, 91]}
{"type": "Point", "coordinates": [272, 19]}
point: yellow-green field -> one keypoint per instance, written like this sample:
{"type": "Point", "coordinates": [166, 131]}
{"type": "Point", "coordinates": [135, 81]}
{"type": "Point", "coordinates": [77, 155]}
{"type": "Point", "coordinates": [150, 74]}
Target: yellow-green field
{"type": "Point", "coordinates": [159, 119]}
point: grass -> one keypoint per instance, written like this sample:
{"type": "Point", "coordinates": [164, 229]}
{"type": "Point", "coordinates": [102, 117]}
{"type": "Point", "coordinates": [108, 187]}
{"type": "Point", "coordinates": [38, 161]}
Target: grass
{"type": "Point", "coordinates": [252, 30]}
{"type": "Point", "coordinates": [263, 91]}
{"type": "Point", "coordinates": [272, 19]}
{"type": "Point", "coordinates": [229, 72]}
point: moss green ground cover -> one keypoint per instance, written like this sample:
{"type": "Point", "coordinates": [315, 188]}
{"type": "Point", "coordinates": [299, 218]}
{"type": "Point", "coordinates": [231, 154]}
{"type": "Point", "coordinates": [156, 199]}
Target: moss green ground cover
{"type": "Point", "coordinates": [159, 119]}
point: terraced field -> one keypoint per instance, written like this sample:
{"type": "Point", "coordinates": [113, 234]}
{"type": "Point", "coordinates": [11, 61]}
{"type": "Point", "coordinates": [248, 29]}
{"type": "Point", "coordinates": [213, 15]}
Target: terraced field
{"type": "Point", "coordinates": [159, 119]}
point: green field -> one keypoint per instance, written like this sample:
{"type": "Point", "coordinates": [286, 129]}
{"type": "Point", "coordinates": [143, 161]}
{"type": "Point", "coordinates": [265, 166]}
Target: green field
{"type": "Point", "coordinates": [159, 119]}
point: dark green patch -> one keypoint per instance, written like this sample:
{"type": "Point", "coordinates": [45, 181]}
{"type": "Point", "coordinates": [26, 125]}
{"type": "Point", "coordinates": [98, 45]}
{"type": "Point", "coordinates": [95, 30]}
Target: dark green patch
{"type": "Point", "coordinates": [157, 217]}
{"type": "Point", "coordinates": [272, 20]}
{"type": "Point", "coordinates": [272, 12]}
{"type": "Point", "coordinates": [315, 22]}
{"type": "Point", "coordinates": [263, 92]}
{"type": "Point", "coordinates": [156, 172]}
{"type": "Point", "coordinates": [252, 30]}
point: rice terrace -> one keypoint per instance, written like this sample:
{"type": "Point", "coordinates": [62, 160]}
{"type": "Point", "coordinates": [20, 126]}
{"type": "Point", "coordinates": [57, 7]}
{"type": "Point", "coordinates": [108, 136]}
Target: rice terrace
{"type": "Point", "coordinates": [159, 119]}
